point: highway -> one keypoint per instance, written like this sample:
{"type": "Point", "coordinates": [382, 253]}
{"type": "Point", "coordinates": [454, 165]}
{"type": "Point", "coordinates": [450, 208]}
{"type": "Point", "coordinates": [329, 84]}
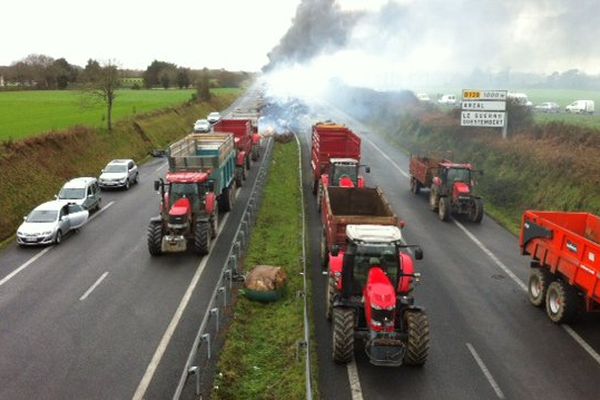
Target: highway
{"type": "Point", "coordinates": [487, 341]}
{"type": "Point", "coordinates": [97, 317]}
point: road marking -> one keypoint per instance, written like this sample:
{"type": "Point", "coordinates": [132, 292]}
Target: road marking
{"type": "Point", "coordinates": [100, 211]}
{"type": "Point", "coordinates": [406, 175]}
{"type": "Point", "coordinates": [582, 342]}
{"type": "Point", "coordinates": [164, 342]}
{"type": "Point", "coordinates": [91, 289]}
{"type": "Point", "coordinates": [25, 265]}
{"type": "Point", "coordinates": [355, 389]}
{"type": "Point", "coordinates": [161, 167]}
{"type": "Point", "coordinates": [486, 372]}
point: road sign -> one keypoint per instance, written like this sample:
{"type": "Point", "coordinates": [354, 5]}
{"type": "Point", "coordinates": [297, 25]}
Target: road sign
{"type": "Point", "coordinates": [469, 94]}
{"type": "Point", "coordinates": [483, 105]}
{"type": "Point", "coordinates": [488, 119]}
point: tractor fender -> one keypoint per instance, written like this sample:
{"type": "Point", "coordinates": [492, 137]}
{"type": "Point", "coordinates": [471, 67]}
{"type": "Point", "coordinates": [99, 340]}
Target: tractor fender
{"type": "Point", "coordinates": [156, 219]}
{"type": "Point", "coordinates": [211, 201]}
{"type": "Point", "coordinates": [361, 182]}
{"type": "Point", "coordinates": [241, 158]}
{"type": "Point", "coordinates": [256, 139]}
{"type": "Point", "coordinates": [408, 267]}
{"type": "Point", "coordinates": [336, 264]}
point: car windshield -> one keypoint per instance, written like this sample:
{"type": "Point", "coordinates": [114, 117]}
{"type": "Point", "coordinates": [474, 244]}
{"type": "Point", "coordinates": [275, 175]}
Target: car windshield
{"type": "Point", "coordinates": [72, 193]}
{"type": "Point", "coordinates": [41, 216]}
{"type": "Point", "coordinates": [341, 171]}
{"type": "Point", "coordinates": [369, 255]}
{"type": "Point", "coordinates": [459, 175]}
{"type": "Point", "coordinates": [115, 168]}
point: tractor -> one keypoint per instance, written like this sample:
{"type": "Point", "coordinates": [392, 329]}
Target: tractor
{"type": "Point", "coordinates": [368, 298]}
{"type": "Point", "coordinates": [452, 192]}
{"type": "Point", "coordinates": [342, 172]}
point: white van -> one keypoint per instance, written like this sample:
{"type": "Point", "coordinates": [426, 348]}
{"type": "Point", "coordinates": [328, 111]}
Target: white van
{"type": "Point", "coordinates": [581, 107]}
{"type": "Point", "coordinates": [448, 99]}
{"type": "Point", "coordinates": [82, 191]}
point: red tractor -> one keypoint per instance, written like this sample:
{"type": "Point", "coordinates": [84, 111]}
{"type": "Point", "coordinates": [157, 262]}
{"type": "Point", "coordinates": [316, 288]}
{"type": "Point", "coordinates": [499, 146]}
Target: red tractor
{"type": "Point", "coordinates": [341, 172]}
{"type": "Point", "coordinates": [369, 298]}
{"type": "Point", "coordinates": [451, 187]}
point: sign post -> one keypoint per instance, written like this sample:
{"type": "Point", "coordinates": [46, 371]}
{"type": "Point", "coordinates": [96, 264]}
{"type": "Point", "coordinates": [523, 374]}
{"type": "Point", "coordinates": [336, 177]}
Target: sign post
{"type": "Point", "coordinates": [484, 108]}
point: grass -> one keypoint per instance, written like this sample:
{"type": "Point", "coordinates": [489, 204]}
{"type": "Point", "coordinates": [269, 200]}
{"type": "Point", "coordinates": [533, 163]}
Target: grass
{"type": "Point", "coordinates": [29, 113]}
{"type": "Point", "coordinates": [259, 359]}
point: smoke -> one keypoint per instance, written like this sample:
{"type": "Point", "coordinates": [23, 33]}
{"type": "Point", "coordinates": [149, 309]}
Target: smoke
{"type": "Point", "coordinates": [419, 44]}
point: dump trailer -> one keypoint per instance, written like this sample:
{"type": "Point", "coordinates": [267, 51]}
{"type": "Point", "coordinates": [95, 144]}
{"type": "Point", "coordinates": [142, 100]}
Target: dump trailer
{"type": "Point", "coordinates": [244, 142]}
{"type": "Point", "coordinates": [200, 181]}
{"type": "Point", "coordinates": [334, 147]}
{"type": "Point", "coordinates": [450, 186]}
{"type": "Point", "coordinates": [565, 261]}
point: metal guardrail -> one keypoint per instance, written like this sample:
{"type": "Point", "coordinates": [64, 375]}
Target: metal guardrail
{"type": "Point", "coordinates": [224, 286]}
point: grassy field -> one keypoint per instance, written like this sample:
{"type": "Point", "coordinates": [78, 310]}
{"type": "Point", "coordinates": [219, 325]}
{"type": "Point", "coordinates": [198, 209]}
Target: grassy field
{"type": "Point", "coordinates": [259, 359]}
{"type": "Point", "coordinates": [29, 113]}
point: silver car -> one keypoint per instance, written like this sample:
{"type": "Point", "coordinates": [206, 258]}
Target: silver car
{"type": "Point", "coordinates": [82, 191]}
{"type": "Point", "coordinates": [202, 125]}
{"type": "Point", "coordinates": [214, 117]}
{"type": "Point", "coordinates": [49, 222]}
{"type": "Point", "coordinates": [119, 174]}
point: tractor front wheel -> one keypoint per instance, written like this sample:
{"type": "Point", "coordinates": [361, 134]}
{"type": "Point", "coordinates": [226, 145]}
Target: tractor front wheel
{"type": "Point", "coordinates": [562, 302]}
{"type": "Point", "coordinates": [155, 235]}
{"type": "Point", "coordinates": [444, 209]}
{"type": "Point", "coordinates": [433, 200]}
{"type": "Point", "coordinates": [329, 298]}
{"type": "Point", "coordinates": [202, 238]}
{"type": "Point", "coordinates": [415, 185]}
{"type": "Point", "coordinates": [476, 214]}
{"type": "Point", "coordinates": [343, 335]}
{"type": "Point", "coordinates": [417, 346]}
{"type": "Point", "coordinates": [539, 280]}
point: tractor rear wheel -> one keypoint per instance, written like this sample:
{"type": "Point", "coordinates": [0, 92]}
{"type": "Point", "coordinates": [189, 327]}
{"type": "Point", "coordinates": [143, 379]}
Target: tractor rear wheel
{"type": "Point", "coordinates": [433, 200]}
{"type": "Point", "coordinates": [417, 346]}
{"type": "Point", "coordinates": [329, 298]}
{"type": "Point", "coordinates": [247, 162]}
{"type": "Point", "coordinates": [343, 335]}
{"type": "Point", "coordinates": [415, 185]}
{"type": "Point", "coordinates": [444, 209]}
{"type": "Point", "coordinates": [562, 302]}
{"type": "Point", "coordinates": [214, 224]}
{"type": "Point", "coordinates": [539, 280]}
{"type": "Point", "coordinates": [155, 238]}
{"type": "Point", "coordinates": [202, 237]}
{"type": "Point", "coordinates": [476, 213]}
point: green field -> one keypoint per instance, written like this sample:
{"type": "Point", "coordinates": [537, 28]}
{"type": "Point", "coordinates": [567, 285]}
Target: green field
{"type": "Point", "coordinates": [28, 113]}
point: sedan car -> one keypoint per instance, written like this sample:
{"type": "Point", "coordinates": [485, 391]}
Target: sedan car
{"type": "Point", "coordinates": [202, 125]}
{"type": "Point", "coordinates": [214, 117]}
{"type": "Point", "coordinates": [119, 174]}
{"type": "Point", "coordinates": [49, 222]}
{"type": "Point", "coordinates": [548, 107]}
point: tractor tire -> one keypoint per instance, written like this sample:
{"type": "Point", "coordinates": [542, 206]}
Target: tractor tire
{"type": "Point", "coordinates": [202, 238]}
{"type": "Point", "coordinates": [539, 280]}
{"type": "Point", "coordinates": [319, 197]}
{"type": "Point", "coordinates": [433, 200]}
{"type": "Point", "coordinates": [417, 346]}
{"type": "Point", "coordinates": [444, 209]}
{"type": "Point", "coordinates": [255, 153]}
{"type": "Point", "coordinates": [324, 253]}
{"type": "Point", "coordinates": [239, 176]}
{"type": "Point", "coordinates": [214, 225]}
{"type": "Point", "coordinates": [343, 335]}
{"type": "Point", "coordinates": [562, 302]}
{"type": "Point", "coordinates": [226, 201]}
{"type": "Point", "coordinates": [476, 214]}
{"type": "Point", "coordinates": [315, 188]}
{"type": "Point", "coordinates": [329, 297]}
{"type": "Point", "coordinates": [247, 162]}
{"type": "Point", "coordinates": [415, 186]}
{"type": "Point", "coordinates": [155, 236]}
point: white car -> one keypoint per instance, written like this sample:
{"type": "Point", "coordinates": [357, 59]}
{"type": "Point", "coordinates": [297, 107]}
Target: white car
{"type": "Point", "coordinates": [49, 222]}
{"type": "Point", "coordinates": [202, 125]}
{"type": "Point", "coordinates": [214, 117]}
{"type": "Point", "coordinates": [119, 174]}
{"type": "Point", "coordinates": [82, 191]}
{"type": "Point", "coordinates": [424, 97]}
{"type": "Point", "coordinates": [581, 107]}
{"type": "Point", "coordinates": [447, 99]}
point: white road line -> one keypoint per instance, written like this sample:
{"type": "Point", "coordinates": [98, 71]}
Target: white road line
{"type": "Point", "coordinates": [164, 342]}
{"type": "Point", "coordinates": [486, 372]}
{"type": "Point", "coordinates": [161, 167]}
{"type": "Point", "coordinates": [25, 265]}
{"type": "Point", "coordinates": [100, 211]}
{"type": "Point", "coordinates": [501, 265]}
{"type": "Point", "coordinates": [91, 289]}
{"type": "Point", "coordinates": [355, 389]}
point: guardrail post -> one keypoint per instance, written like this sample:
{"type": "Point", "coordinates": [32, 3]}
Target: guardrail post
{"type": "Point", "coordinates": [224, 292]}
{"type": "Point", "coordinates": [206, 339]}
{"type": "Point", "coordinates": [195, 370]}
{"type": "Point", "coordinates": [215, 311]}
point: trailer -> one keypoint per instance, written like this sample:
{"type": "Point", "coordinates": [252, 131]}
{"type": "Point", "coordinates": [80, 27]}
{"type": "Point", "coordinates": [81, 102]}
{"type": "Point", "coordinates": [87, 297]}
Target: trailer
{"type": "Point", "coordinates": [565, 261]}
{"type": "Point", "coordinates": [335, 153]}
{"type": "Point", "coordinates": [244, 142]}
{"type": "Point", "coordinates": [451, 186]}
{"type": "Point", "coordinates": [200, 182]}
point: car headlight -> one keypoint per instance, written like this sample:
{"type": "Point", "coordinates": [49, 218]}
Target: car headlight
{"type": "Point", "coordinates": [46, 233]}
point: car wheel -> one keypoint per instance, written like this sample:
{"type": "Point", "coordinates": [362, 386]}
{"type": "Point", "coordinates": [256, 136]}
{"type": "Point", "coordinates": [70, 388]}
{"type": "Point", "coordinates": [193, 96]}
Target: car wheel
{"type": "Point", "coordinates": [127, 184]}
{"type": "Point", "coordinates": [58, 237]}
{"type": "Point", "coordinates": [137, 178]}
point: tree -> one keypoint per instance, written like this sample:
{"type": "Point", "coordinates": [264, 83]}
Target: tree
{"type": "Point", "coordinates": [152, 75]}
{"type": "Point", "coordinates": [165, 81]}
{"type": "Point", "coordinates": [91, 70]}
{"type": "Point", "coordinates": [203, 87]}
{"type": "Point", "coordinates": [183, 77]}
{"type": "Point", "coordinates": [102, 86]}
{"type": "Point", "coordinates": [65, 73]}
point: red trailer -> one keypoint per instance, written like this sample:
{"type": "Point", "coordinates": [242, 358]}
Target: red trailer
{"type": "Point", "coordinates": [244, 142]}
{"type": "Point", "coordinates": [565, 266]}
{"type": "Point", "coordinates": [335, 153]}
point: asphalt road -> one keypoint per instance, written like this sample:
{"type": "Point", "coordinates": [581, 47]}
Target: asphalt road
{"type": "Point", "coordinates": [487, 341]}
{"type": "Point", "coordinates": [84, 320]}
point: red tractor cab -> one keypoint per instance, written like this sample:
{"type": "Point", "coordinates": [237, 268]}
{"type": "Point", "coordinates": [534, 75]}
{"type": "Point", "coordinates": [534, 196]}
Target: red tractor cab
{"type": "Point", "coordinates": [369, 298]}
{"type": "Point", "coordinates": [341, 172]}
{"type": "Point", "coordinates": [188, 214]}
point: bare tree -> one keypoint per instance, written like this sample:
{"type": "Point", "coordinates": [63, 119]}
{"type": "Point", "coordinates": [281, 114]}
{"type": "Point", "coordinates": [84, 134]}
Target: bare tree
{"type": "Point", "coordinates": [102, 85]}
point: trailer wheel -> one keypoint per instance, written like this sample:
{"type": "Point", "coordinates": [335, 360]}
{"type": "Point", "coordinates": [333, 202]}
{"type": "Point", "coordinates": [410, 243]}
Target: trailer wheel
{"type": "Point", "coordinates": [155, 238]}
{"type": "Point", "coordinates": [562, 302]}
{"type": "Point", "coordinates": [476, 212]}
{"type": "Point", "coordinates": [319, 196]}
{"type": "Point", "coordinates": [255, 153]}
{"type": "Point", "coordinates": [444, 209]}
{"type": "Point", "coordinates": [324, 252]}
{"type": "Point", "coordinates": [417, 346]}
{"type": "Point", "coordinates": [202, 238]}
{"type": "Point", "coordinates": [433, 200]}
{"type": "Point", "coordinates": [343, 335]}
{"type": "Point", "coordinates": [539, 279]}
{"type": "Point", "coordinates": [226, 202]}
{"type": "Point", "coordinates": [247, 162]}
{"type": "Point", "coordinates": [329, 298]}
{"type": "Point", "coordinates": [415, 185]}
